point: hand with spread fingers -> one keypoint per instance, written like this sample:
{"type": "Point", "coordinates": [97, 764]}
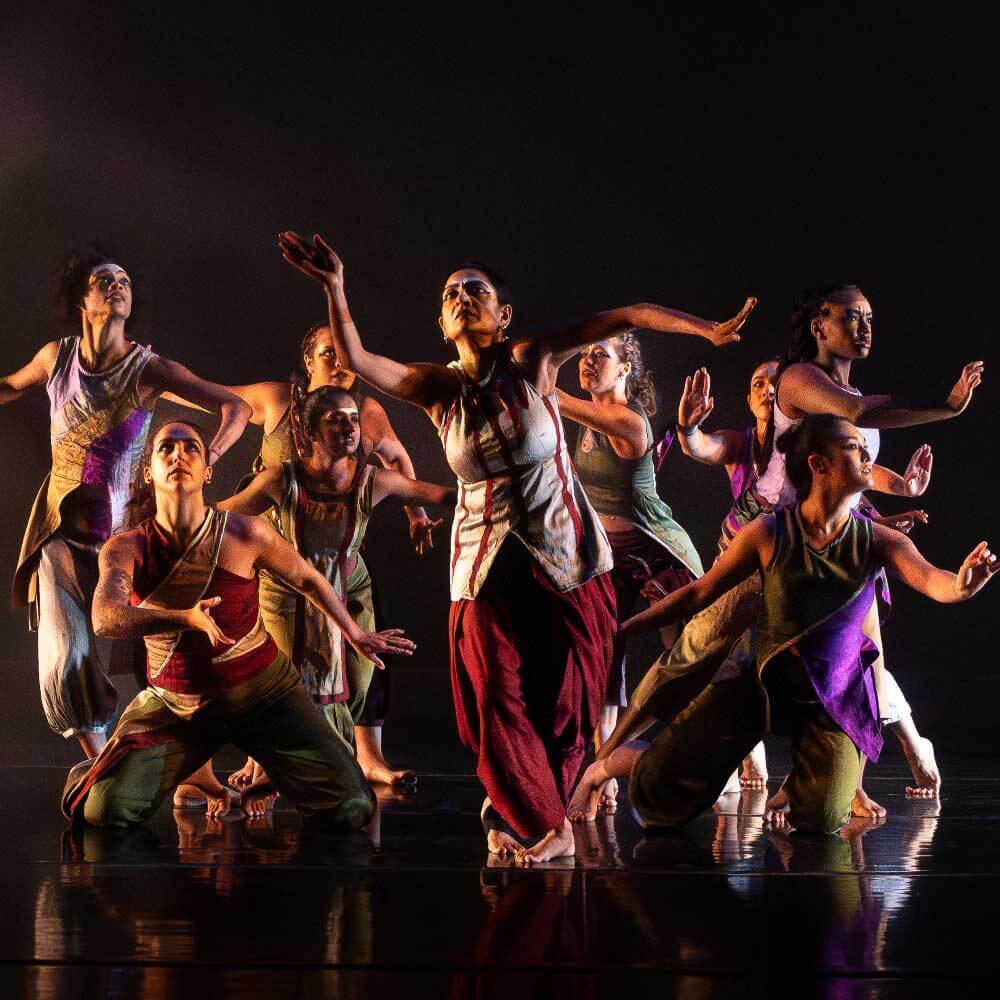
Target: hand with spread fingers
{"type": "Point", "coordinates": [200, 619]}
{"type": "Point", "coordinates": [917, 476]}
{"type": "Point", "coordinates": [976, 571]}
{"type": "Point", "coordinates": [696, 401]}
{"type": "Point", "coordinates": [316, 260]}
{"type": "Point", "coordinates": [390, 640]}
{"type": "Point", "coordinates": [961, 395]}
{"type": "Point", "coordinates": [728, 332]}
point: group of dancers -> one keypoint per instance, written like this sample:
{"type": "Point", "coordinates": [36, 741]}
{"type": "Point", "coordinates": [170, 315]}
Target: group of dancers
{"type": "Point", "coordinates": [258, 617]}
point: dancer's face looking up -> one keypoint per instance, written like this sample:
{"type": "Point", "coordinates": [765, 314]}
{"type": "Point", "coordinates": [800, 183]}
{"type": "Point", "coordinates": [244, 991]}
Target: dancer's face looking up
{"type": "Point", "coordinates": [843, 329]}
{"type": "Point", "coordinates": [601, 368]}
{"type": "Point", "coordinates": [844, 464]}
{"type": "Point", "coordinates": [338, 432]}
{"type": "Point", "coordinates": [322, 365]}
{"type": "Point", "coordinates": [109, 292]}
{"type": "Point", "coordinates": [178, 461]}
{"type": "Point", "coordinates": [760, 399]}
{"type": "Point", "coordinates": [470, 308]}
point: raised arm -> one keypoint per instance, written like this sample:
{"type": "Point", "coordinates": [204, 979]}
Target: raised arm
{"type": "Point", "coordinates": [164, 376]}
{"type": "Point", "coordinates": [113, 615]}
{"type": "Point", "coordinates": [750, 550]}
{"type": "Point", "coordinates": [36, 372]}
{"type": "Point", "coordinates": [550, 347]}
{"type": "Point", "coordinates": [259, 495]}
{"type": "Point", "coordinates": [901, 556]}
{"type": "Point", "coordinates": [618, 422]}
{"type": "Point", "coordinates": [804, 389]}
{"type": "Point", "coordinates": [696, 403]}
{"type": "Point", "coordinates": [279, 558]}
{"type": "Point", "coordinates": [425, 385]}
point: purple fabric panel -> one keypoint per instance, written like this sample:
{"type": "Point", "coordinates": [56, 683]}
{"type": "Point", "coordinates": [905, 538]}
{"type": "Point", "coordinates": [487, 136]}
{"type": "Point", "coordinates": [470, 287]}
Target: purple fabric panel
{"type": "Point", "coordinates": [105, 452]}
{"type": "Point", "coordinates": [837, 657]}
{"type": "Point", "coordinates": [664, 446]}
{"type": "Point", "coordinates": [743, 473]}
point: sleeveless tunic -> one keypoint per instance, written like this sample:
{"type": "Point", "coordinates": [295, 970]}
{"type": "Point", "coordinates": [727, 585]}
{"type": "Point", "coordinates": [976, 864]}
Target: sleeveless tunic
{"type": "Point", "coordinates": [626, 489]}
{"type": "Point", "coordinates": [97, 429]}
{"type": "Point", "coordinates": [815, 603]}
{"type": "Point", "coordinates": [185, 662]}
{"type": "Point", "coordinates": [327, 531]}
{"type": "Point", "coordinates": [505, 443]}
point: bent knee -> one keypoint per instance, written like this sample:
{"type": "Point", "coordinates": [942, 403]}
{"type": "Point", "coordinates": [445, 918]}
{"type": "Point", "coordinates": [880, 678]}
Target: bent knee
{"type": "Point", "coordinates": [108, 808]}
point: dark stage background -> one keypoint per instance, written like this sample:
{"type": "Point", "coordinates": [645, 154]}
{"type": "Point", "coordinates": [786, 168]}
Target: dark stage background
{"type": "Point", "coordinates": [596, 161]}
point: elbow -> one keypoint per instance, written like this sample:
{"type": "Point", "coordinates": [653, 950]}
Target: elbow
{"type": "Point", "coordinates": [236, 411]}
{"type": "Point", "coordinates": [104, 626]}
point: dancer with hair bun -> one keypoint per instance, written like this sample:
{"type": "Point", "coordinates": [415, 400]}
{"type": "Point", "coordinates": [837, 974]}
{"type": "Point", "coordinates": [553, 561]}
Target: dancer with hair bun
{"type": "Point", "coordinates": [614, 460]}
{"type": "Point", "coordinates": [526, 544]}
{"type": "Point", "coordinates": [811, 679]}
{"type": "Point", "coordinates": [102, 387]}
{"type": "Point", "coordinates": [273, 410]}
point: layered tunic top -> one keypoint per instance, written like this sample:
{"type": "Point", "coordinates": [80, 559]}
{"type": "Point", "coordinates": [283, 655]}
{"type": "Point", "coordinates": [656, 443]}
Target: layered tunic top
{"type": "Point", "coordinates": [626, 489]}
{"type": "Point", "coordinates": [506, 445]}
{"type": "Point", "coordinates": [98, 429]}
{"type": "Point", "coordinates": [815, 602]}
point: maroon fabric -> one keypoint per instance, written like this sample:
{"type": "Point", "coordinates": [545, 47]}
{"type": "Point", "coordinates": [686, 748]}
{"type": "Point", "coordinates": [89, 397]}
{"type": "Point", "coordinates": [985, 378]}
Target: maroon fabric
{"type": "Point", "coordinates": [528, 669]}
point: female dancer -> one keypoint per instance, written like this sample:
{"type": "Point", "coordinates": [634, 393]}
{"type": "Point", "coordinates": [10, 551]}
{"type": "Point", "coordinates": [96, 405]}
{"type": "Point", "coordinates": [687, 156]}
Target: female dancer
{"type": "Point", "coordinates": [614, 460]}
{"type": "Point", "coordinates": [524, 697]}
{"type": "Point", "coordinates": [831, 328]}
{"type": "Point", "coordinates": [102, 388]}
{"type": "Point", "coordinates": [323, 502]}
{"type": "Point", "coordinates": [185, 581]}
{"type": "Point", "coordinates": [272, 407]}
{"type": "Point", "coordinates": [812, 680]}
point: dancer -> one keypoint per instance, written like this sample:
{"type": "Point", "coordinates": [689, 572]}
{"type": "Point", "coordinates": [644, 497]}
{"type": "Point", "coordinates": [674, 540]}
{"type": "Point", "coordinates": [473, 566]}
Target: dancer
{"type": "Point", "coordinates": [812, 679]}
{"type": "Point", "coordinates": [831, 328]}
{"type": "Point", "coordinates": [526, 698]}
{"type": "Point", "coordinates": [215, 675]}
{"type": "Point", "coordinates": [272, 407]}
{"type": "Point", "coordinates": [614, 460]}
{"type": "Point", "coordinates": [323, 502]}
{"type": "Point", "coordinates": [102, 388]}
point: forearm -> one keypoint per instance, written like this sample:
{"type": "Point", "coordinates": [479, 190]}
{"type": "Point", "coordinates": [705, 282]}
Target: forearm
{"type": "Point", "coordinates": [318, 591]}
{"type": "Point", "coordinates": [676, 607]}
{"type": "Point", "coordinates": [892, 412]}
{"type": "Point", "coordinates": [122, 621]}
{"type": "Point", "coordinates": [708, 448]}
{"type": "Point", "coordinates": [886, 481]}
{"type": "Point", "coordinates": [649, 316]}
{"type": "Point", "coordinates": [942, 586]}
{"type": "Point", "coordinates": [234, 415]}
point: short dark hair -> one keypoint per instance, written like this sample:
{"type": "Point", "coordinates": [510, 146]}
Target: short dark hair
{"type": "Point", "coordinates": [497, 280]}
{"type": "Point", "coordinates": [809, 305]}
{"type": "Point", "coordinates": [71, 279]}
{"type": "Point", "coordinates": [814, 434]}
{"type": "Point", "coordinates": [322, 400]}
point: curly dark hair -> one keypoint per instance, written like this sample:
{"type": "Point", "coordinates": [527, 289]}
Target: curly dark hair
{"type": "Point", "coordinates": [639, 383]}
{"type": "Point", "coordinates": [71, 279]}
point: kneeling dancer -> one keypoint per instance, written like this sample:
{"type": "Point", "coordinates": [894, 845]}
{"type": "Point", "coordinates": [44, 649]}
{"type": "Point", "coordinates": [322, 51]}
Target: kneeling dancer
{"type": "Point", "coordinates": [186, 580]}
{"type": "Point", "coordinates": [813, 681]}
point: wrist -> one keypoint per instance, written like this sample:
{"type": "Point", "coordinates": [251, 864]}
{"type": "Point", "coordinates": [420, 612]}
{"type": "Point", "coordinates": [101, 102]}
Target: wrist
{"type": "Point", "coordinates": [687, 431]}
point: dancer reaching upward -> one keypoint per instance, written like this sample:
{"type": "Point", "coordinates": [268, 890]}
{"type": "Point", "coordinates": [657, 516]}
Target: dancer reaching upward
{"type": "Point", "coordinates": [812, 680]}
{"type": "Point", "coordinates": [831, 328]}
{"type": "Point", "coordinates": [526, 544]}
{"type": "Point", "coordinates": [102, 388]}
{"type": "Point", "coordinates": [272, 405]}
{"type": "Point", "coordinates": [614, 460]}
{"type": "Point", "coordinates": [185, 580]}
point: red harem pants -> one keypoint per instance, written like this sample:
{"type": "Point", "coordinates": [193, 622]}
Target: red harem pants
{"type": "Point", "coordinates": [529, 665]}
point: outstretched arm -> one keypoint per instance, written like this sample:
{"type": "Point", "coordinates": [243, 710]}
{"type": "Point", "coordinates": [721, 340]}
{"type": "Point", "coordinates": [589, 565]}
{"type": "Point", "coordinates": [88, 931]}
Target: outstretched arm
{"type": "Point", "coordinates": [389, 483]}
{"type": "Point", "coordinates": [913, 482]}
{"type": "Point", "coordinates": [618, 422]}
{"type": "Point", "coordinates": [36, 372]}
{"type": "Point", "coordinates": [805, 389]}
{"type": "Point", "coordinates": [901, 556]}
{"type": "Point", "coordinates": [164, 376]}
{"type": "Point", "coordinates": [549, 348]}
{"type": "Point", "coordinates": [750, 550]}
{"type": "Point", "coordinates": [113, 615]}
{"type": "Point", "coordinates": [279, 558]}
{"type": "Point", "coordinates": [424, 385]}
{"type": "Point", "coordinates": [696, 403]}
{"type": "Point", "coordinates": [259, 495]}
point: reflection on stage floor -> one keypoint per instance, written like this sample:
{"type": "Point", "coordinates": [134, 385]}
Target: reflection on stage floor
{"type": "Point", "coordinates": [273, 907]}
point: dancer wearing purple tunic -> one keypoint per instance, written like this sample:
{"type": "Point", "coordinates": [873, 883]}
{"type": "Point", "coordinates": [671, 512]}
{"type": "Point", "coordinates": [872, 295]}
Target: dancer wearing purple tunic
{"type": "Point", "coordinates": [813, 681]}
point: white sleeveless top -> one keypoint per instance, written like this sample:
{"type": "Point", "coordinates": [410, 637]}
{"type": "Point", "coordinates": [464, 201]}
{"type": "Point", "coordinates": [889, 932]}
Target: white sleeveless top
{"type": "Point", "coordinates": [773, 484]}
{"type": "Point", "coordinates": [505, 443]}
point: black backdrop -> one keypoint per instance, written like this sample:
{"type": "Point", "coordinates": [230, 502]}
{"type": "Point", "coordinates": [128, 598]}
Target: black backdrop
{"type": "Point", "coordinates": [596, 161]}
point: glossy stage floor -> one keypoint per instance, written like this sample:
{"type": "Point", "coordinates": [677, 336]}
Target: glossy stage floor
{"type": "Point", "coordinates": [190, 908]}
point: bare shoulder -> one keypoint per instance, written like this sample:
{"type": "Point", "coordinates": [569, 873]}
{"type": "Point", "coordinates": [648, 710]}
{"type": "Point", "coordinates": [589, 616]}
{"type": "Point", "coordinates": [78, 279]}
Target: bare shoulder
{"type": "Point", "coordinates": [124, 547]}
{"type": "Point", "coordinates": [244, 527]}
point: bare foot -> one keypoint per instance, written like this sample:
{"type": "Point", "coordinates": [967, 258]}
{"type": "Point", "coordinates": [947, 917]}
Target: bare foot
{"type": "Point", "coordinates": [609, 796]}
{"type": "Point", "coordinates": [923, 764]}
{"type": "Point", "coordinates": [498, 842]}
{"type": "Point", "coordinates": [203, 788]}
{"type": "Point", "coordinates": [557, 843]}
{"type": "Point", "coordinates": [754, 774]}
{"type": "Point", "coordinates": [586, 798]}
{"type": "Point", "coordinates": [258, 798]}
{"type": "Point", "coordinates": [375, 767]}
{"type": "Point", "coordinates": [776, 810]}
{"type": "Point", "coordinates": [865, 807]}
{"type": "Point", "coordinates": [381, 774]}
{"type": "Point", "coordinates": [244, 776]}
